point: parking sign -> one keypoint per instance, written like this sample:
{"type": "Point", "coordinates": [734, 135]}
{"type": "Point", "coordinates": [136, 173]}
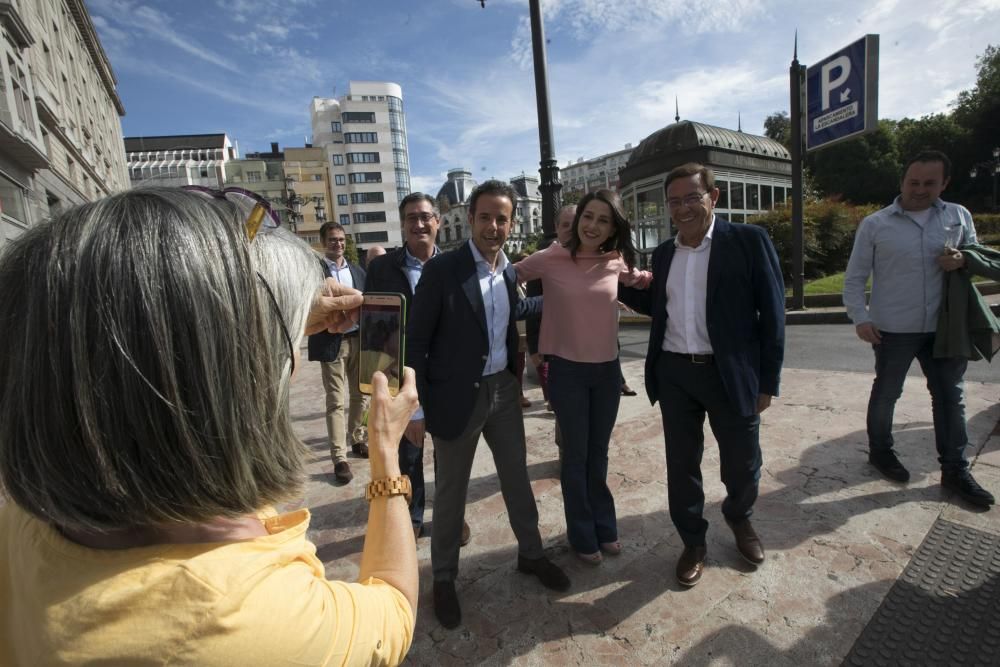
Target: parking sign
{"type": "Point", "coordinates": [842, 94]}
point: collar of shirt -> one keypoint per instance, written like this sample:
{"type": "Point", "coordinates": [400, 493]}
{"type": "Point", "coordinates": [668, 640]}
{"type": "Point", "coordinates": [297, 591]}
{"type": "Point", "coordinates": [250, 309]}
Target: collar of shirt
{"type": "Point", "coordinates": [705, 242]}
{"type": "Point", "coordinates": [897, 207]}
{"type": "Point", "coordinates": [483, 266]}
{"type": "Point", "coordinates": [415, 263]}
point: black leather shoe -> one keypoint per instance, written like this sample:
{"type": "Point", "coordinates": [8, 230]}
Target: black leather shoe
{"type": "Point", "coordinates": [967, 487]}
{"type": "Point", "coordinates": [446, 604]}
{"type": "Point", "coordinates": [890, 467]}
{"type": "Point", "coordinates": [466, 535]}
{"type": "Point", "coordinates": [361, 449]}
{"type": "Point", "coordinates": [547, 572]}
{"type": "Point", "coordinates": [342, 471]}
{"type": "Point", "coordinates": [690, 565]}
{"type": "Point", "coordinates": [747, 541]}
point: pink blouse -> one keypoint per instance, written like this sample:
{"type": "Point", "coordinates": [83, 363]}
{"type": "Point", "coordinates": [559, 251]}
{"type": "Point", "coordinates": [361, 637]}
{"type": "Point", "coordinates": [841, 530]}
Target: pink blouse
{"type": "Point", "coordinates": [580, 309]}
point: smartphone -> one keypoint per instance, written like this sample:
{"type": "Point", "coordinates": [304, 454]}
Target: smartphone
{"type": "Point", "coordinates": [382, 331]}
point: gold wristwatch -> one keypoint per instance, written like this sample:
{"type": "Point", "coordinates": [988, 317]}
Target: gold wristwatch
{"type": "Point", "coordinates": [389, 486]}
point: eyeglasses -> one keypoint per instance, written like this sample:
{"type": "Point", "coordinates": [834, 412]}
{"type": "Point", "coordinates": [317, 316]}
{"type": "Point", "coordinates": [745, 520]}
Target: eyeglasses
{"type": "Point", "coordinates": [336, 241]}
{"type": "Point", "coordinates": [689, 200]}
{"type": "Point", "coordinates": [260, 214]}
{"type": "Point", "coordinates": [422, 217]}
{"type": "Point", "coordinates": [260, 211]}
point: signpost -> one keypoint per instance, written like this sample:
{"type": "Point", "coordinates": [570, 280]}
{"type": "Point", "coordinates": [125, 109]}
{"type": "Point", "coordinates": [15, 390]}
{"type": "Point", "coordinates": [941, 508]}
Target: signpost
{"type": "Point", "coordinates": [841, 103]}
{"type": "Point", "coordinates": [842, 94]}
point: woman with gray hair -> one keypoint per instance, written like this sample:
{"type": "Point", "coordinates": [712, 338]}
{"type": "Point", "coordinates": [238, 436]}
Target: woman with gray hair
{"type": "Point", "coordinates": [149, 342]}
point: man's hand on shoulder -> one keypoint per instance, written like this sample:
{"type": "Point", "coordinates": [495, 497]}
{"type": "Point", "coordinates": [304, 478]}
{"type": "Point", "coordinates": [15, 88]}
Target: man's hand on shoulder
{"type": "Point", "coordinates": [868, 333]}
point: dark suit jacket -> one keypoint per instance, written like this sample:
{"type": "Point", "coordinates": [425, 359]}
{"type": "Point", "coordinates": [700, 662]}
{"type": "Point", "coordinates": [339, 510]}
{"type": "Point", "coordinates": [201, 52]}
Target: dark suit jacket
{"type": "Point", "coordinates": [325, 346]}
{"type": "Point", "coordinates": [745, 312]}
{"type": "Point", "coordinates": [447, 340]}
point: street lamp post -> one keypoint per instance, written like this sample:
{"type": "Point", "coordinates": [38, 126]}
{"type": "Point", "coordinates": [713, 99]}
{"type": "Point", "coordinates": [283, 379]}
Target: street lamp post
{"type": "Point", "coordinates": [549, 168]}
{"type": "Point", "coordinates": [992, 168]}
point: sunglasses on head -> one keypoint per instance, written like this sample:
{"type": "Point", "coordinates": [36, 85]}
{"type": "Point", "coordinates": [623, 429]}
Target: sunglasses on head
{"type": "Point", "coordinates": [260, 215]}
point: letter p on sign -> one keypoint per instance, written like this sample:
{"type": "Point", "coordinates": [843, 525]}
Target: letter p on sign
{"type": "Point", "coordinates": [826, 84]}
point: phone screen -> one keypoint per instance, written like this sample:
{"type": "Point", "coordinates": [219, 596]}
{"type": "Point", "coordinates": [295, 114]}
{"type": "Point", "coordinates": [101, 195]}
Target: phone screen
{"type": "Point", "coordinates": [382, 334]}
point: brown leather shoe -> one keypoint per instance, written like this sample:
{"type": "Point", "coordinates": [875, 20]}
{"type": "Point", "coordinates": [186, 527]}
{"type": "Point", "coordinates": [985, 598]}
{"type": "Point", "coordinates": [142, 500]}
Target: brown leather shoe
{"type": "Point", "coordinates": [747, 542]}
{"type": "Point", "coordinates": [466, 535]}
{"type": "Point", "coordinates": [342, 471]}
{"type": "Point", "coordinates": [690, 565]}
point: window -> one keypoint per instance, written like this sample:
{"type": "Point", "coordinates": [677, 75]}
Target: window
{"type": "Point", "coordinates": [736, 195]}
{"type": "Point", "coordinates": [458, 233]}
{"type": "Point", "coordinates": [342, 200]}
{"type": "Point", "coordinates": [374, 216]}
{"type": "Point", "coordinates": [723, 201]}
{"type": "Point", "coordinates": [765, 197]}
{"type": "Point", "coordinates": [362, 158]}
{"type": "Point", "coordinates": [337, 159]}
{"type": "Point", "coordinates": [20, 93]}
{"type": "Point", "coordinates": [371, 237]}
{"type": "Point", "coordinates": [340, 179]}
{"type": "Point", "coordinates": [358, 116]}
{"type": "Point", "coordinates": [753, 196]}
{"type": "Point", "coordinates": [335, 126]}
{"type": "Point", "coordinates": [367, 198]}
{"type": "Point", "coordinates": [12, 198]}
{"type": "Point", "coordinates": [253, 177]}
{"type": "Point", "coordinates": [367, 177]}
{"type": "Point", "coordinates": [361, 137]}
{"type": "Point", "coordinates": [345, 219]}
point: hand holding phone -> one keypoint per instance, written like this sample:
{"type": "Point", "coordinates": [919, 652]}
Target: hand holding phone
{"type": "Point", "coordinates": [382, 333]}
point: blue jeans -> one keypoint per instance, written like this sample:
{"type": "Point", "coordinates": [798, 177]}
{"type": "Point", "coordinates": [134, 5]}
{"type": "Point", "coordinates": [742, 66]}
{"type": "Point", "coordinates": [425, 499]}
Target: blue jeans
{"type": "Point", "coordinates": [893, 357]}
{"type": "Point", "coordinates": [585, 398]}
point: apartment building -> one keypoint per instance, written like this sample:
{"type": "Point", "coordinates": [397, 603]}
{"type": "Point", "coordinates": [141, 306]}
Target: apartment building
{"type": "Point", "coordinates": [363, 135]}
{"type": "Point", "coordinates": [60, 127]}
{"type": "Point", "coordinates": [600, 172]}
{"type": "Point", "coordinates": [179, 159]}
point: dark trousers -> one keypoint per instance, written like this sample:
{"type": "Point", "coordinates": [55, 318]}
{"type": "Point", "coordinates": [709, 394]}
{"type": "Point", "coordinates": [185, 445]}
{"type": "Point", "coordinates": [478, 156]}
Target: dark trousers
{"type": "Point", "coordinates": [497, 417]}
{"type": "Point", "coordinates": [411, 463]}
{"type": "Point", "coordinates": [687, 392]}
{"type": "Point", "coordinates": [585, 398]}
{"type": "Point", "coordinates": [893, 357]}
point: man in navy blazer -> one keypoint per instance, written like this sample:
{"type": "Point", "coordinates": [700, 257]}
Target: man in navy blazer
{"type": "Point", "coordinates": [462, 343]}
{"type": "Point", "coordinates": [340, 355]}
{"type": "Point", "coordinates": [715, 347]}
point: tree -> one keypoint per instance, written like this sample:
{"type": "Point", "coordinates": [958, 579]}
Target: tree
{"type": "Point", "coordinates": [861, 170]}
{"type": "Point", "coordinates": [778, 126]}
{"type": "Point", "coordinates": [351, 250]}
{"type": "Point", "coordinates": [977, 111]}
{"type": "Point", "coordinates": [571, 197]}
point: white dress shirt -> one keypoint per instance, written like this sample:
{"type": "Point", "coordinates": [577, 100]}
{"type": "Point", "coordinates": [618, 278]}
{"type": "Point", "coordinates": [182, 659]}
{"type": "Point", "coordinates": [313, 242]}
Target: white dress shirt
{"type": "Point", "coordinates": [687, 287]}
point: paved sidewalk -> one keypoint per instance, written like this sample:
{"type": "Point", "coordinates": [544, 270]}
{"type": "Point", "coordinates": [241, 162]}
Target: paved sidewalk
{"type": "Point", "coordinates": [838, 536]}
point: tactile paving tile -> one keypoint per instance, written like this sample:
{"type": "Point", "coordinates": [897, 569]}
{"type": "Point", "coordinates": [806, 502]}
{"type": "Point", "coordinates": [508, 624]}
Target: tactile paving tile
{"type": "Point", "coordinates": [945, 607]}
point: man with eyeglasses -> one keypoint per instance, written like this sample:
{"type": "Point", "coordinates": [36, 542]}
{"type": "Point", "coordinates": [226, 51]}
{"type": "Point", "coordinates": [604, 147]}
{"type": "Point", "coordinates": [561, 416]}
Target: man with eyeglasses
{"type": "Point", "coordinates": [716, 346]}
{"type": "Point", "coordinates": [399, 271]}
{"type": "Point", "coordinates": [340, 355]}
{"type": "Point", "coordinates": [907, 248]}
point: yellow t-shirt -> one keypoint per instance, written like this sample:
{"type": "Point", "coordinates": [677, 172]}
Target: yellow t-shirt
{"type": "Point", "coordinates": [263, 601]}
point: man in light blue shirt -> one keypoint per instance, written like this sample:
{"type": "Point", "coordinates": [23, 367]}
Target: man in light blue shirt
{"type": "Point", "coordinates": [906, 248]}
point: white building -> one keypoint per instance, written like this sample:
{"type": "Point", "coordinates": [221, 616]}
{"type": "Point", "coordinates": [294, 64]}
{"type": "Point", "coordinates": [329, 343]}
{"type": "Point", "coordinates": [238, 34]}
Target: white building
{"type": "Point", "coordinates": [179, 159]}
{"type": "Point", "coordinates": [364, 136]}
{"type": "Point", "coordinates": [596, 173]}
{"type": "Point", "coordinates": [60, 128]}
{"type": "Point", "coordinates": [453, 203]}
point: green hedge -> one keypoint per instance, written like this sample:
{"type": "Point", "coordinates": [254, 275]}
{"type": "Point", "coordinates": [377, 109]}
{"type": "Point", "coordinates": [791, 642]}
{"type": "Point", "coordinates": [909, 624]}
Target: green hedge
{"type": "Point", "coordinates": [829, 227]}
{"type": "Point", "coordinates": [986, 223]}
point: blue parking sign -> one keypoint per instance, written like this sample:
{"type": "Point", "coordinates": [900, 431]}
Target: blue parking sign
{"type": "Point", "coordinates": [842, 94]}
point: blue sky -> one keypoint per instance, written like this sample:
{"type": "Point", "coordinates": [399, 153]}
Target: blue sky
{"type": "Point", "coordinates": [250, 67]}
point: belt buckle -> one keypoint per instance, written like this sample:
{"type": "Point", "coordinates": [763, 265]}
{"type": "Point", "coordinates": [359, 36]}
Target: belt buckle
{"type": "Point", "coordinates": [694, 359]}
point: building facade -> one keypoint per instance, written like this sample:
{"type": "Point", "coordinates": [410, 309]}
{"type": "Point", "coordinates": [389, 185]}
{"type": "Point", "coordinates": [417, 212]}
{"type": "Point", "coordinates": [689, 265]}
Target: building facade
{"type": "Point", "coordinates": [363, 135]}
{"type": "Point", "coordinates": [307, 175]}
{"type": "Point", "coordinates": [453, 202]}
{"type": "Point", "coordinates": [180, 159]}
{"type": "Point", "coordinates": [753, 174]}
{"type": "Point", "coordinates": [600, 172]}
{"type": "Point", "coordinates": [60, 127]}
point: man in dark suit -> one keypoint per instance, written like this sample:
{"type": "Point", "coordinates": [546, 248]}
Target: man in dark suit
{"type": "Point", "coordinates": [339, 354]}
{"type": "Point", "coordinates": [463, 346]}
{"type": "Point", "coordinates": [399, 271]}
{"type": "Point", "coordinates": [715, 346]}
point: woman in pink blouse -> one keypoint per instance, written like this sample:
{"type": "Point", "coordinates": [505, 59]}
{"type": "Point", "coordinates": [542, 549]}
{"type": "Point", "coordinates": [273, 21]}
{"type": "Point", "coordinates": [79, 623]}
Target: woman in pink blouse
{"type": "Point", "coordinates": [579, 337]}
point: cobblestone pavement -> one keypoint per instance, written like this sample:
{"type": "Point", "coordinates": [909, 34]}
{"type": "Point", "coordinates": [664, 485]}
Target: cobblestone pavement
{"type": "Point", "coordinates": [837, 536]}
